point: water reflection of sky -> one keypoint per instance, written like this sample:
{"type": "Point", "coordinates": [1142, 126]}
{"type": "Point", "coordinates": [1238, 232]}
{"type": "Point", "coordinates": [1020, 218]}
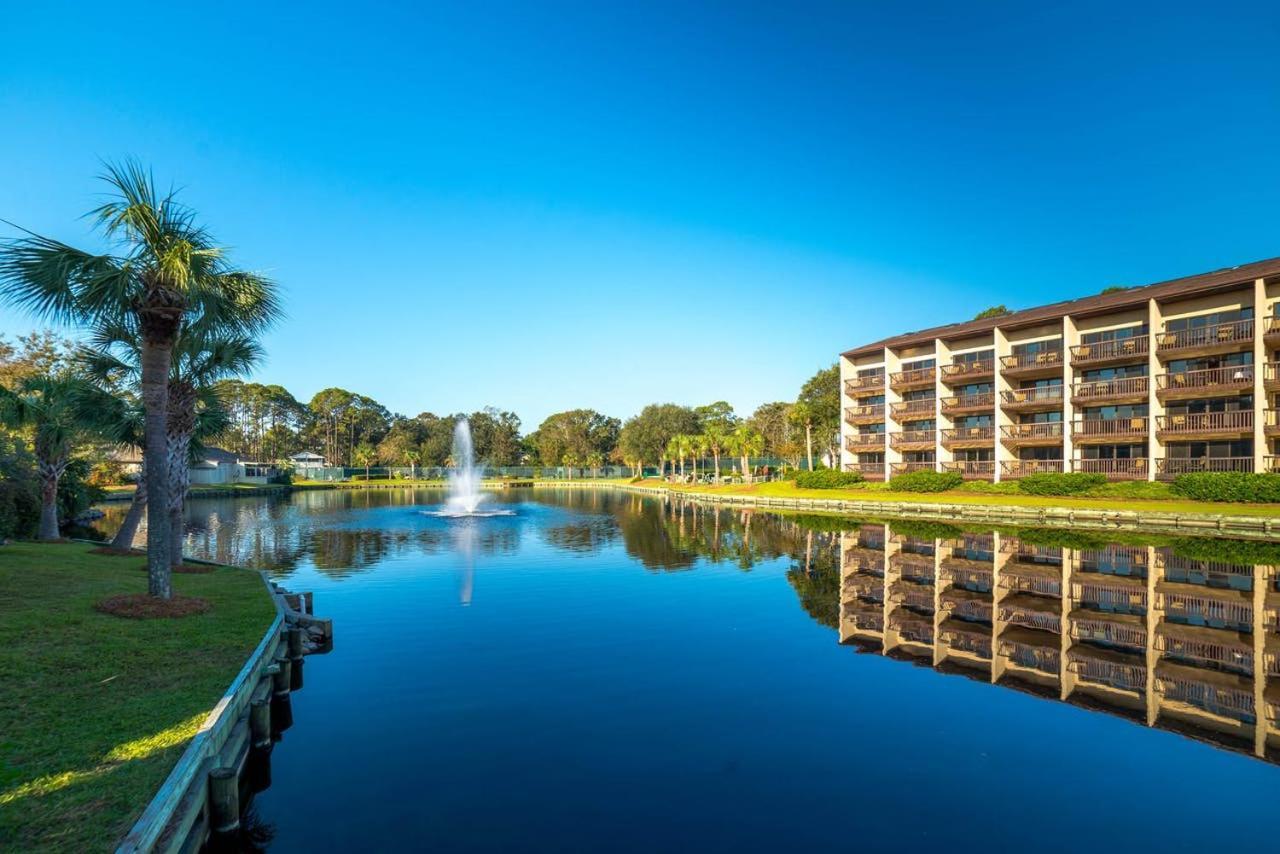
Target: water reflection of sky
{"type": "Point", "coordinates": [638, 675]}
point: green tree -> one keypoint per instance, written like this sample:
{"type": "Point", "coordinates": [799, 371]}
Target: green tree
{"type": "Point", "coordinates": [366, 455]}
{"type": "Point", "coordinates": [719, 414]}
{"type": "Point", "coordinates": [773, 421]}
{"type": "Point", "coordinates": [994, 311]}
{"type": "Point", "coordinates": [645, 437]}
{"type": "Point", "coordinates": [747, 442]}
{"type": "Point", "coordinates": [580, 432]}
{"type": "Point", "coordinates": [165, 270]}
{"type": "Point", "coordinates": [59, 414]}
{"type": "Point", "coordinates": [818, 410]}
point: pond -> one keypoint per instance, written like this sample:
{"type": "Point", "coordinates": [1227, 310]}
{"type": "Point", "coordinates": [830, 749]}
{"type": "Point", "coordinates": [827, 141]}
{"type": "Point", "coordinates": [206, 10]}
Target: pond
{"type": "Point", "coordinates": [608, 671]}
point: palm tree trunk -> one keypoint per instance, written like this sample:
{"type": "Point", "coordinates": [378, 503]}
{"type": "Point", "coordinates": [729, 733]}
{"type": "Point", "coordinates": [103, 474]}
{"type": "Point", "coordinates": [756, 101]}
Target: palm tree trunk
{"type": "Point", "coordinates": [49, 501]}
{"type": "Point", "coordinates": [808, 442]}
{"type": "Point", "coordinates": [129, 529]}
{"type": "Point", "coordinates": [155, 398]}
{"type": "Point", "coordinates": [179, 428]}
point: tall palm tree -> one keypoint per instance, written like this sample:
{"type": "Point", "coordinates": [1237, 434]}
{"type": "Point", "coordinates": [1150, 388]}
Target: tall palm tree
{"type": "Point", "coordinates": [60, 413]}
{"type": "Point", "coordinates": [164, 270]}
{"type": "Point", "coordinates": [675, 453]}
{"type": "Point", "coordinates": [747, 442]}
{"type": "Point", "coordinates": [715, 436]}
{"type": "Point", "coordinates": [413, 456]}
{"type": "Point", "coordinates": [365, 455]}
{"type": "Point", "coordinates": [698, 447]}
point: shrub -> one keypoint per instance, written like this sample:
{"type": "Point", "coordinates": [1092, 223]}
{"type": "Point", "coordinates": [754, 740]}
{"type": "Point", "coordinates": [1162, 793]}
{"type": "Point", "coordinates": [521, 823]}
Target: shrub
{"type": "Point", "coordinates": [1053, 483]}
{"type": "Point", "coordinates": [827, 479]}
{"type": "Point", "coordinates": [926, 481]}
{"type": "Point", "coordinates": [1229, 486]}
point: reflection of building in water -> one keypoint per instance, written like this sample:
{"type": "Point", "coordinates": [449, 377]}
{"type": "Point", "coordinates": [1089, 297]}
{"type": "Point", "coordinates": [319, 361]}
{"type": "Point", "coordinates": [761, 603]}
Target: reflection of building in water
{"type": "Point", "coordinates": [1170, 641]}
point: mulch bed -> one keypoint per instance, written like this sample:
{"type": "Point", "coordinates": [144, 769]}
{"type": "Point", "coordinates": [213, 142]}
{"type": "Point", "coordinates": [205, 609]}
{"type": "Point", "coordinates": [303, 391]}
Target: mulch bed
{"type": "Point", "coordinates": [140, 606]}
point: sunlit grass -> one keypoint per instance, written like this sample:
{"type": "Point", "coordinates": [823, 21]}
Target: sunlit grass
{"type": "Point", "coordinates": [94, 709]}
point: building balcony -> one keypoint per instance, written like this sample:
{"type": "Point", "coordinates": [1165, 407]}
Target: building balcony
{"type": "Point", "coordinates": [868, 414]}
{"type": "Point", "coordinates": [1041, 579]}
{"type": "Point", "coordinates": [911, 627]}
{"type": "Point", "coordinates": [913, 410]}
{"type": "Point", "coordinates": [865, 560]}
{"type": "Point", "coordinates": [1113, 560]}
{"type": "Point", "coordinates": [1013, 469]}
{"type": "Point", "coordinates": [1047, 363]}
{"type": "Point", "coordinates": [914, 378]}
{"type": "Point", "coordinates": [1109, 431]}
{"type": "Point", "coordinates": [906, 468]}
{"type": "Point", "coordinates": [1108, 668]}
{"type": "Point", "coordinates": [964, 574]}
{"type": "Point", "coordinates": [1220, 649]}
{"type": "Point", "coordinates": [1271, 422]}
{"type": "Point", "coordinates": [1133, 468]}
{"type": "Point", "coordinates": [1192, 426]}
{"type": "Point", "coordinates": [1110, 594]}
{"type": "Point", "coordinates": [1211, 382]}
{"type": "Point", "coordinates": [1032, 612]}
{"type": "Point", "coordinates": [1106, 353]}
{"type": "Point", "coordinates": [870, 471]}
{"type": "Point", "coordinates": [1211, 573]}
{"type": "Point", "coordinates": [961, 404]}
{"type": "Point", "coordinates": [965, 637]}
{"type": "Point", "coordinates": [1042, 399]}
{"type": "Point", "coordinates": [972, 469]}
{"type": "Point", "coordinates": [913, 440]}
{"type": "Point", "coordinates": [1198, 605]}
{"type": "Point", "coordinates": [1271, 337]}
{"type": "Point", "coordinates": [869, 588]}
{"type": "Point", "coordinates": [1271, 464]}
{"type": "Point", "coordinates": [1223, 695]}
{"type": "Point", "coordinates": [1098, 392]}
{"type": "Point", "coordinates": [962, 373]}
{"type": "Point", "coordinates": [913, 566]}
{"type": "Point", "coordinates": [967, 605]}
{"type": "Point", "coordinates": [1171, 467]}
{"type": "Point", "coordinates": [969, 437]}
{"type": "Point", "coordinates": [1123, 631]}
{"type": "Point", "coordinates": [917, 597]}
{"type": "Point", "coordinates": [1271, 376]}
{"type": "Point", "coordinates": [1032, 650]}
{"type": "Point", "coordinates": [1231, 337]}
{"type": "Point", "coordinates": [1042, 434]}
{"type": "Point", "coordinates": [864, 386]}
{"type": "Point", "coordinates": [864, 443]}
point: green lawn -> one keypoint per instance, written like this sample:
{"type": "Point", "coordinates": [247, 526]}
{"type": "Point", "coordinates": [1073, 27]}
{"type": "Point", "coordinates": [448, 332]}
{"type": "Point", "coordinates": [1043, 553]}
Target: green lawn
{"type": "Point", "coordinates": [1120, 496]}
{"type": "Point", "coordinates": [94, 709]}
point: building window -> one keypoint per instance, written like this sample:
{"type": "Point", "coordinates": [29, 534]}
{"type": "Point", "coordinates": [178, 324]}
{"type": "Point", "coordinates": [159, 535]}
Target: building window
{"type": "Point", "coordinates": [1139, 331]}
{"type": "Point", "coordinates": [1202, 320]}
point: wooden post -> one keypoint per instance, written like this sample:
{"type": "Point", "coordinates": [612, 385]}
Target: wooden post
{"type": "Point", "coordinates": [260, 724]}
{"type": "Point", "coordinates": [295, 643]}
{"type": "Point", "coordinates": [281, 677]}
{"type": "Point", "coordinates": [224, 800]}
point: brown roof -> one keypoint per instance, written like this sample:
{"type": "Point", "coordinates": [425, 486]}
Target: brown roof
{"type": "Point", "coordinates": [1189, 286]}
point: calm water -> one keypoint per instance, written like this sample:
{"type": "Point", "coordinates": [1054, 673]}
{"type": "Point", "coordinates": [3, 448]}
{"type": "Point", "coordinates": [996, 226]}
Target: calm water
{"type": "Point", "coordinates": [602, 671]}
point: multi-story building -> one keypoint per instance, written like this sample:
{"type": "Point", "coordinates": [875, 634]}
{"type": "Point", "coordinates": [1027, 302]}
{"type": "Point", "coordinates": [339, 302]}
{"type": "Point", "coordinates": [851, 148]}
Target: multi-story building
{"type": "Point", "coordinates": [1142, 383]}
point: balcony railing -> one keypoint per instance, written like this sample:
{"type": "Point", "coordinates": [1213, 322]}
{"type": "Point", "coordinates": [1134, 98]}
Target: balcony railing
{"type": "Point", "coordinates": [961, 372]}
{"type": "Point", "coordinates": [1272, 333]}
{"type": "Point", "coordinates": [1022, 468]}
{"type": "Point", "coordinates": [907, 409]}
{"type": "Point", "coordinates": [906, 468]}
{"type": "Point", "coordinates": [968, 435]}
{"type": "Point", "coordinates": [969, 402]}
{"type": "Point", "coordinates": [1044, 360]}
{"type": "Point", "coordinates": [1271, 421]}
{"type": "Point", "coordinates": [912, 437]}
{"type": "Point", "coordinates": [1232, 380]}
{"type": "Point", "coordinates": [1020, 398]}
{"type": "Point", "coordinates": [913, 377]}
{"type": "Point", "coordinates": [855, 386]}
{"type": "Point", "coordinates": [1038, 432]}
{"type": "Point", "coordinates": [1133, 468]}
{"type": "Point", "coordinates": [865, 443]}
{"type": "Point", "coordinates": [1271, 375]}
{"type": "Point", "coordinates": [870, 413]}
{"type": "Point", "coordinates": [1215, 336]}
{"type": "Point", "coordinates": [1099, 391]}
{"type": "Point", "coordinates": [1171, 467]}
{"type": "Point", "coordinates": [1239, 421]}
{"type": "Point", "coordinates": [1121, 430]}
{"type": "Point", "coordinates": [871, 471]}
{"type": "Point", "coordinates": [1271, 464]}
{"type": "Point", "coordinates": [972, 468]}
{"type": "Point", "coordinates": [1104, 352]}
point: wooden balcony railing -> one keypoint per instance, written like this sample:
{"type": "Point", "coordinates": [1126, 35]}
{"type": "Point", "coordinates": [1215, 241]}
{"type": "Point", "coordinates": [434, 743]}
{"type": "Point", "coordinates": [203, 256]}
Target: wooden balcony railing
{"type": "Point", "coordinates": [969, 402]}
{"type": "Point", "coordinates": [1271, 464]}
{"type": "Point", "coordinates": [1022, 468]}
{"type": "Point", "coordinates": [1115, 594]}
{"type": "Point", "coordinates": [1207, 690]}
{"type": "Point", "coordinates": [1120, 630]}
{"type": "Point", "coordinates": [1124, 430]}
{"type": "Point", "coordinates": [855, 386]}
{"type": "Point", "coordinates": [973, 435]}
{"type": "Point", "coordinates": [908, 409]}
{"type": "Point", "coordinates": [1133, 468]}
{"type": "Point", "coordinates": [1043, 360]}
{"type": "Point", "coordinates": [1107, 668]}
{"type": "Point", "coordinates": [1271, 421]}
{"type": "Point", "coordinates": [959, 372]}
{"type": "Point", "coordinates": [870, 413]}
{"type": "Point", "coordinates": [1211, 337]}
{"type": "Point", "coordinates": [865, 443]}
{"type": "Point", "coordinates": [906, 468]}
{"type": "Point", "coordinates": [1203, 606]}
{"type": "Point", "coordinates": [1232, 380]}
{"type": "Point", "coordinates": [972, 468]}
{"type": "Point", "coordinates": [912, 437]}
{"type": "Point", "coordinates": [1040, 431]}
{"type": "Point", "coordinates": [1018, 398]}
{"type": "Point", "coordinates": [1272, 330]}
{"type": "Point", "coordinates": [1099, 391]}
{"type": "Point", "coordinates": [1103, 352]}
{"type": "Point", "coordinates": [1271, 375]}
{"type": "Point", "coordinates": [913, 377]}
{"type": "Point", "coordinates": [1233, 422]}
{"type": "Point", "coordinates": [1171, 467]}
{"type": "Point", "coordinates": [871, 471]}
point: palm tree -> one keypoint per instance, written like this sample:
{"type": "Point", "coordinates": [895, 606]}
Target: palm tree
{"type": "Point", "coordinates": [715, 436]}
{"type": "Point", "coordinates": [413, 456]}
{"type": "Point", "coordinates": [675, 453]}
{"type": "Point", "coordinates": [698, 447]}
{"type": "Point", "coordinates": [165, 270]}
{"type": "Point", "coordinates": [748, 442]}
{"type": "Point", "coordinates": [595, 460]}
{"type": "Point", "coordinates": [569, 460]}
{"type": "Point", "coordinates": [60, 413]}
{"type": "Point", "coordinates": [203, 356]}
{"type": "Point", "coordinates": [365, 455]}
{"type": "Point", "coordinates": [801, 414]}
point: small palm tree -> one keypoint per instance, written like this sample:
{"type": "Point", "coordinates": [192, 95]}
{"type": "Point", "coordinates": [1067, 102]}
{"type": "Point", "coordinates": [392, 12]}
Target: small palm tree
{"type": "Point", "coordinates": [59, 413]}
{"type": "Point", "coordinates": [413, 456]}
{"type": "Point", "coordinates": [366, 455]}
{"type": "Point", "coordinates": [748, 442]}
{"type": "Point", "coordinates": [714, 437]}
{"type": "Point", "coordinates": [675, 453]}
{"type": "Point", "coordinates": [165, 271]}
{"type": "Point", "coordinates": [595, 460]}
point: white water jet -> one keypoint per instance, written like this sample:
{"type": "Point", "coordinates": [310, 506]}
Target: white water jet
{"type": "Point", "coordinates": [465, 496]}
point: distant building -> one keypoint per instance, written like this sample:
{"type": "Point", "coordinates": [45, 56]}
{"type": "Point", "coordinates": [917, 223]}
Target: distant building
{"type": "Point", "coordinates": [219, 466]}
{"type": "Point", "coordinates": [307, 461]}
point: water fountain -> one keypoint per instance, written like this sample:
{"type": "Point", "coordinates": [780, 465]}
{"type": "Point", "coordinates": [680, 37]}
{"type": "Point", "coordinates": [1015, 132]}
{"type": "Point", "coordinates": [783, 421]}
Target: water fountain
{"type": "Point", "coordinates": [465, 496]}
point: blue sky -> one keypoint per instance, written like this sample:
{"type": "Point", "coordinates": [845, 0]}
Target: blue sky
{"type": "Point", "coordinates": [544, 206]}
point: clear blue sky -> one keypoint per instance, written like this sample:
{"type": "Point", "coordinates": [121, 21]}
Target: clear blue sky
{"type": "Point", "coordinates": [543, 206]}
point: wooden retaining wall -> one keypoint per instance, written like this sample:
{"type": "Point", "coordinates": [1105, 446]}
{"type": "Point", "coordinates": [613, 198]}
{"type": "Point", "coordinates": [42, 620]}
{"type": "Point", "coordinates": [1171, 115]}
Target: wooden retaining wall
{"type": "Point", "coordinates": [202, 794]}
